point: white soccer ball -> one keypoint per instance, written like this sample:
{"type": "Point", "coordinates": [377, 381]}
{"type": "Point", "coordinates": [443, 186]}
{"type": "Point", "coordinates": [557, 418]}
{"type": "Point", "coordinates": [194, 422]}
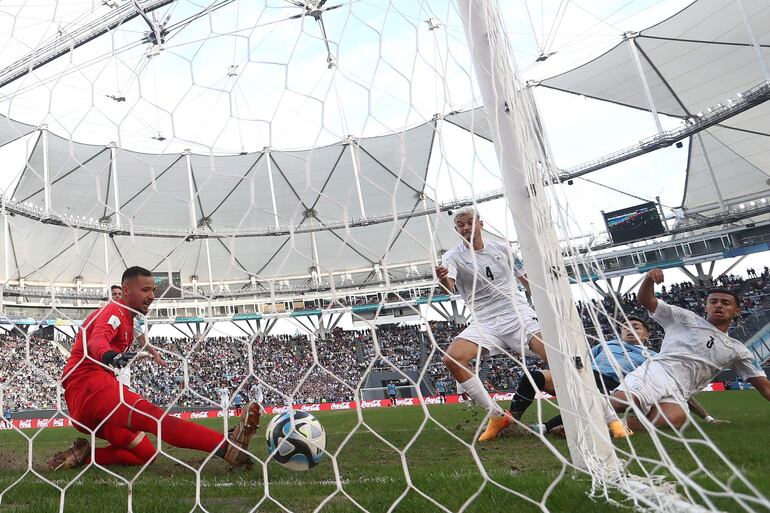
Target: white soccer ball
{"type": "Point", "coordinates": [296, 440]}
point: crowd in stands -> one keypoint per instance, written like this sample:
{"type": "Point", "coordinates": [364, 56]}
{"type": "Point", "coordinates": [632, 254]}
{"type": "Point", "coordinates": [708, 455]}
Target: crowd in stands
{"type": "Point", "coordinates": [332, 367]}
{"type": "Point", "coordinates": [29, 383]}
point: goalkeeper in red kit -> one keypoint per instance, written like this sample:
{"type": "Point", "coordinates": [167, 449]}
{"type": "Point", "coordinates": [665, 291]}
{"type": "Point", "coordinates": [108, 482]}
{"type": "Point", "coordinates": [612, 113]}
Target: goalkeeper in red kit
{"type": "Point", "coordinates": [99, 404]}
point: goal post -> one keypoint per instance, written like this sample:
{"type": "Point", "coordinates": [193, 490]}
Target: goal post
{"type": "Point", "coordinates": [523, 162]}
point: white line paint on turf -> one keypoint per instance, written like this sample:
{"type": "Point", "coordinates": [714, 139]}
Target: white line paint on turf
{"type": "Point", "coordinates": [176, 482]}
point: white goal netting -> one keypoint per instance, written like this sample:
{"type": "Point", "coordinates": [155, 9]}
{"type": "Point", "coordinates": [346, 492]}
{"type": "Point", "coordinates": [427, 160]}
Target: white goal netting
{"type": "Point", "coordinates": [289, 172]}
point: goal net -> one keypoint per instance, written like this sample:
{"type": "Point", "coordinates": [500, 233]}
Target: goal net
{"type": "Point", "coordinates": [289, 173]}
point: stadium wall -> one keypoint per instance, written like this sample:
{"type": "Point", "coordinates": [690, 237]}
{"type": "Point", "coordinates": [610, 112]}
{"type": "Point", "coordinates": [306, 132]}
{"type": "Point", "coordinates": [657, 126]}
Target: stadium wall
{"type": "Point", "coordinates": [53, 419]}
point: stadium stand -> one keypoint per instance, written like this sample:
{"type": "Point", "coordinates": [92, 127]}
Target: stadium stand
{"type": "Point", "coordinates": [281, 362]}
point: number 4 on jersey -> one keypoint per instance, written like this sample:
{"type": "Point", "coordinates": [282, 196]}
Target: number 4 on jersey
{"type": "Point", "coordinates": [489, 274]}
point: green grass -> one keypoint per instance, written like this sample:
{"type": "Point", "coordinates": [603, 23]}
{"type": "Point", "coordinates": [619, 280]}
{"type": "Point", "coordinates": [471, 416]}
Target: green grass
{"type": "Point", "coordinates": [372, 470]}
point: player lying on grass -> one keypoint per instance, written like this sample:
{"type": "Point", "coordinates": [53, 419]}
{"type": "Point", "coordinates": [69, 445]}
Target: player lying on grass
{"type": "Point", "coordinates": [693, 353]}
{"type": "Point", "coordinates": [98, 403]}
{"type": "Point", "coordinates": [485, 275]}
{"type": "Point", "coordinates": [615, 359]}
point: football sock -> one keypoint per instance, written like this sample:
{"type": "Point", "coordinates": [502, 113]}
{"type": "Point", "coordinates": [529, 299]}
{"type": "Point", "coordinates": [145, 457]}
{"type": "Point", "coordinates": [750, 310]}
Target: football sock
{"type": "Point", "coordinates": [525, 392]}
{"type": "Point", "coordinates": [609, 411]}
{"type": "Point", "coordinates": [139, 455]}
{"type": "Point", "coordinates": [478, 393]}
{"type": "Point", "coordinates": [174, 431]}
{"type": "Point", "coordinates": [552, 423]}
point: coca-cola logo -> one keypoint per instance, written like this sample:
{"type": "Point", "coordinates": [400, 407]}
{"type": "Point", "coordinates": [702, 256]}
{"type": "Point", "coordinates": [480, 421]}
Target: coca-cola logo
{"type": "Point", "coordinates": [432, 400]}
{"type": "Point", "coordinates": [5, 425]}
{"type": "Point", "coordinates": [42, 423]}
{"type": "Point", "coordinates": [502, 397]}
{"type": "Point", "coordinates": [58, 422]}
{"type": "Point", "coordinates": [405, 402]}
{"type": "Point", "coordinates": [177, 415]}
{"type": "Point", "coordinates": [25, 424]}
{"type": "Point", "coordinates": [199, 415]}
{"type": "Point", "coordinates": [280, 409]}
{"type": "Point", "coordinates": [371, 404]}
{"type": "Point", "coordinates": [311, 407]}
{"type": "Point", "coordinates": [341, 406]}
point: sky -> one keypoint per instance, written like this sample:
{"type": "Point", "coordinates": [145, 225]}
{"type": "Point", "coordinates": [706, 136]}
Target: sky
{"type": "Point", "coordinates": [243, 78]}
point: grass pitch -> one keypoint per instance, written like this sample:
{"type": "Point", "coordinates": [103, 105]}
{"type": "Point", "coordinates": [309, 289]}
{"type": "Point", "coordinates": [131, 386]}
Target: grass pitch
{"type": "Point", "coordinates": [373, 471]}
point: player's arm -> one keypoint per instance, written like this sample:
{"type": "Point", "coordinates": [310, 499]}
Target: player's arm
{"type": "Point", "coordinates": [762, 384]}
{"type": "Point", "coordinates": [105, 329]}
{"type": "Point", "coordinates": [698, 409]}
{"type": "Point", "coordinates": [146, 346]}
{"type": "Point", "coordinates": [646, 294]}
{"type": "Point", "coordinates": [446, 272]}
{"type": "Point", "coordinates": [520, 272]}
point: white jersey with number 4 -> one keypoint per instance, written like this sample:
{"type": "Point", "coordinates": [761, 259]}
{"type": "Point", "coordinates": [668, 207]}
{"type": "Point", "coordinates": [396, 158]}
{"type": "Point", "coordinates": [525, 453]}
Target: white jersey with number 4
{"type": "Point", "coordinates": [486, 278]}
{"type": "Point", "coordinates": [694, 351]}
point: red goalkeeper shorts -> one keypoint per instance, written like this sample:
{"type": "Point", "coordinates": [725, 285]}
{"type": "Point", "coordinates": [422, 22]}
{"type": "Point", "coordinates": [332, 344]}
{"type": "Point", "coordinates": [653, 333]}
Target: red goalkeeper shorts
{"type": "Point", "coordinates": [93, 398]}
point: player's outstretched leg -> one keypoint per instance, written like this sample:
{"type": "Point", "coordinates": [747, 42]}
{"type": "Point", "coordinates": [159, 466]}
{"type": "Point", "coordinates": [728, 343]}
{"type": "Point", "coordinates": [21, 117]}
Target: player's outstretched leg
{"type": "Point", "coordinates": [525, 393]}
{"type": "Point", "coordinates": [458, 354]}
{"type": "Point", "coordinates": [616, 427]}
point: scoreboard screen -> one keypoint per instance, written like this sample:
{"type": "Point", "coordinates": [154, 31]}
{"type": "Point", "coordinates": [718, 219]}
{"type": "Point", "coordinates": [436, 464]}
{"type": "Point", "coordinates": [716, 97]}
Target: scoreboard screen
{"type": "Point", "coordinates": [166, 289]}
{"type": "Point", "coordinates": [634, 223]}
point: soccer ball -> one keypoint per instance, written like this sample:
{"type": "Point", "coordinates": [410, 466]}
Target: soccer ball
{"type": "Point", "coordinates": [296, 440]}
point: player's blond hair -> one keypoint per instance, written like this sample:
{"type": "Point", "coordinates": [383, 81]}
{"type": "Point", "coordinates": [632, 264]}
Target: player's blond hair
{"type": "Point", "coordinates": [467, 211]}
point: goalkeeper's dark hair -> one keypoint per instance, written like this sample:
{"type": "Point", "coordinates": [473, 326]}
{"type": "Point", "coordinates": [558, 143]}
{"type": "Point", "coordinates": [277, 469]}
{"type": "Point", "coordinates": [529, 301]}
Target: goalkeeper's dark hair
{"type": "Point", "coordinates": [113, 287]}
{"type": "Point", "coordinates": [735, 295]}
{"type": "Point", "coordinates": [135, 272]}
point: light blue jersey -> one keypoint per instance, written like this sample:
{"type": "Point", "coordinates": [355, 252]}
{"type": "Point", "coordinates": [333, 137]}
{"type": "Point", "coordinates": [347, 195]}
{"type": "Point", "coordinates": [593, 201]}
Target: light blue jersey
{"type": "Point", "coordinates": [391, 389]}
{"type": "Point", "coordinates": [441, 387]}
{"type": "Point", "coordinates": [626, 356]}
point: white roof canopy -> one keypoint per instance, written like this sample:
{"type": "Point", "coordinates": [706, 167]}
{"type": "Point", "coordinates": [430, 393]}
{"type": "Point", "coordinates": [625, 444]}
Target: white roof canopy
{"type": "Point", "coordinates": [311, 189]}
{"type": "Point", "coordinates": [693, 61]}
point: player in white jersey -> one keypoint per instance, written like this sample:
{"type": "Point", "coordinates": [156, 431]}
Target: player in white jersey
{"type": "Point", "coordinates": [256, 393]}
{"type": "Point", "coordinates": [485, 275]}
{"type": "Point", "coordinates": [224, 398]}
{"type": "Point", "coordinates": [694, 351]}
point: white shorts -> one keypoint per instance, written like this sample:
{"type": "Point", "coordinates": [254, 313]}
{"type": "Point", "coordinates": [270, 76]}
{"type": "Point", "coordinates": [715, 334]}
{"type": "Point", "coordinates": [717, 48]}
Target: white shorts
{"type": "Point", "coordinates": [652, 385]}
{"type": "Point", "coordinates": [505, 333]}
{"type": "Point", "coordinates": [124, 376]}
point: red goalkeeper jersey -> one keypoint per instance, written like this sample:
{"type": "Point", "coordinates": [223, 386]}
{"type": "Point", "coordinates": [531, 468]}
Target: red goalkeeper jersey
{"type": "Point", "coordinates": [108, 328]}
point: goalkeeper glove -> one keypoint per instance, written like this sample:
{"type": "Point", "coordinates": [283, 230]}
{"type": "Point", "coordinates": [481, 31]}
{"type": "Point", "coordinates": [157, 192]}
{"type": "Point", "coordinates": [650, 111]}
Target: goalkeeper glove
{"type": "Point", "coordinates": [116, 359]}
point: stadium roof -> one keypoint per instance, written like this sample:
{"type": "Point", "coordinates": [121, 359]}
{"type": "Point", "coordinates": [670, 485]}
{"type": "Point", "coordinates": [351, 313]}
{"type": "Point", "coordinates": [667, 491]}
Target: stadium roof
{"type": "Point", "coordinates": [298, 219]}
{"type": "Point", "coordinates": [692, 62]}
{"type": "Point", "coordinates": [318, 196]}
